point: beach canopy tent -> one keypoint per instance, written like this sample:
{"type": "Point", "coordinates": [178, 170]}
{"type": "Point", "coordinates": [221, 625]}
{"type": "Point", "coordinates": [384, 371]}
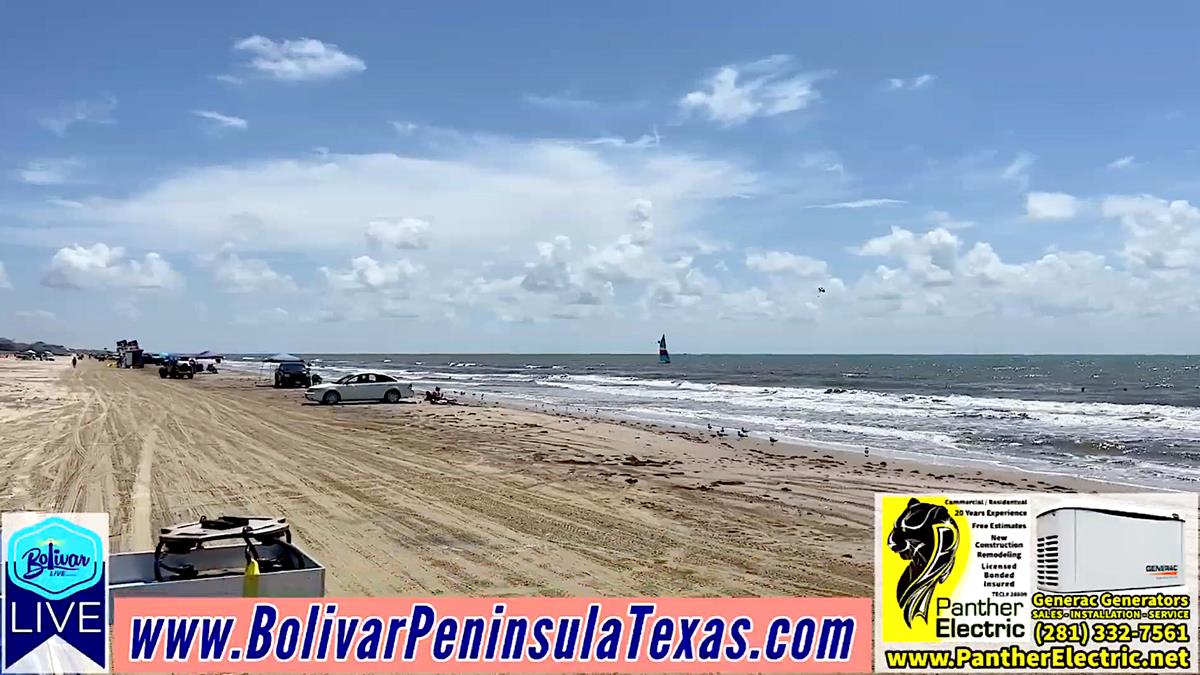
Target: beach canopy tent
{"type": "Point", "coordinates": [206, 354]}
{"type": "Point", "coordinates": [266, 371]}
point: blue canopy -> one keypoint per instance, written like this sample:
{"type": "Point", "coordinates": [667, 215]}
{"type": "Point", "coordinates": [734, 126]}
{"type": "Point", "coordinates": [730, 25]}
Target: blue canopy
{"type": "Point", "coordinates": [283, 358]}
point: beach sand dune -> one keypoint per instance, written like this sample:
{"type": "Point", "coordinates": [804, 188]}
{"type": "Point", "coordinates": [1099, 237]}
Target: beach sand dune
{"type": "Point", "coordinates": [415, 499]}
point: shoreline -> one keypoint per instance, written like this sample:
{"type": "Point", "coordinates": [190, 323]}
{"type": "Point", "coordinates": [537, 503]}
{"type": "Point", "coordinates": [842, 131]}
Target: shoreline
{"type": "Point", "coordinates": [488, 499]}
{"type": "Point", "coordinates": [1100, 464]}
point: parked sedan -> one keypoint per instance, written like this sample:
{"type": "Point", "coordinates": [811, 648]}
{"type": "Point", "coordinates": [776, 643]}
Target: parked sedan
{"type": "Point", "coordinates": [363, 386]}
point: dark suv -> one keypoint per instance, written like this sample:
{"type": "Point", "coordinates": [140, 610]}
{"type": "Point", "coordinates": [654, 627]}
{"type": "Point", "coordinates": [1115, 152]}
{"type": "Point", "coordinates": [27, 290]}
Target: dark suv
{"type": "Point", "coordinates": [289, 375]}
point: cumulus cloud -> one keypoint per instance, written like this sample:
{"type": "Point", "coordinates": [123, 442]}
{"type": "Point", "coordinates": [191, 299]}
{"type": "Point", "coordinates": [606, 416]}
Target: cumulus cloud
{"type": "Point", "coordinates": [93, 111]}
{"type": "Point", "coordinates": [564, 281]}
{"type": "Point", "coordinates": [858, 204]}
{"type": "Point", "coordinates": [1051, 206]}
{"type": "Point", "coordinates": [918, 82]}
{"type": "Point", "coordinates": [103, 266]}
{"type": "Point", "coordinates": [299, 60]}
{"type": "Point", "coordinates": [777, 262]}
{"type": "Point", "coordinates": [1162, 235]}
{"type": "Point", "coordinates": [51, 171]}
{"type": "Point", "coordinates": [400, 233]}
{"type": "Point", "coordinates": [736, 94]}
{"type": "Point", "coordinates": [220, 120]}
{"type": "Point", "coordinates": [368, 274]}
{"type": "Point", "coordinates": [929, 258]}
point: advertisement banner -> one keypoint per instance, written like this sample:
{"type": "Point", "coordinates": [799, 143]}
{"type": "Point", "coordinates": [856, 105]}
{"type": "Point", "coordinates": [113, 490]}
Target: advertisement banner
{"type": "Point", "coordinates": [1024, 582]}
{"type": "Point", "coordinates": [513, 635]}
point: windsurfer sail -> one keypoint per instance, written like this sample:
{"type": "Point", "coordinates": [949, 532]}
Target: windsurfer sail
{"type": "Point", "coordinates": [663, 356]}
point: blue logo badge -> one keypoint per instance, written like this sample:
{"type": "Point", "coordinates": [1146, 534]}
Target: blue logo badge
{"type": "Point", "coordinates": [55, 558]}
{"type": "Point", "coordinates": [55, 586]}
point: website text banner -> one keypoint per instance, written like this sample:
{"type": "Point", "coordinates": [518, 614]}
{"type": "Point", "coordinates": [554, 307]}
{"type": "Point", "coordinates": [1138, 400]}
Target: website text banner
{"type": "Point", "coordinates": [1031, 582]}
{"type": "Point", "coordinates": [520, 635]}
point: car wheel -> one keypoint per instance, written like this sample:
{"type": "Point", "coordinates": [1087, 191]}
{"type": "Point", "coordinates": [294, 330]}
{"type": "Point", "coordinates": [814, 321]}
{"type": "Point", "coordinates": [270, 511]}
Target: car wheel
{"type": "Point", "coordinates": [392, 396]}
{"type": "Point", "coordinates": [162, 374]}
{"type": "Point", "coordinates": [331, 398]}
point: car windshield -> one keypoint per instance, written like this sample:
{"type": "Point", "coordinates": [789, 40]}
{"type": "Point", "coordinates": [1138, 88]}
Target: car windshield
{"type": "Point", "coordinates": [347, 379]}
{"type": "Point", "coordinates": [291, 367]}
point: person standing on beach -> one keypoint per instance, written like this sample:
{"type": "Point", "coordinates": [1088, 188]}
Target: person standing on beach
{"type": "Point", "coordinates": [72, 361]}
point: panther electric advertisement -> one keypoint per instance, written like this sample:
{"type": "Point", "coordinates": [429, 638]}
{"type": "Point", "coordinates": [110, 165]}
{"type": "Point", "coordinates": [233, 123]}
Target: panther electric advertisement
{"type": "Point", "coordinates": [1035, 582]}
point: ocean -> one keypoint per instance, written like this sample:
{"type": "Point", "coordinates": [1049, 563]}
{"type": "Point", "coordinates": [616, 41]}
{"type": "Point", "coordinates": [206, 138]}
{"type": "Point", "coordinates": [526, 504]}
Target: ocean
{"type": "Point", "coordinates": [1127, 419]}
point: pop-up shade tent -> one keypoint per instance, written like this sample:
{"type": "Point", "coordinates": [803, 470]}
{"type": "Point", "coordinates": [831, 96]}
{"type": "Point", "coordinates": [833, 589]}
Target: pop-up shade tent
{"type": "Point", "coordinates": [266, 371]}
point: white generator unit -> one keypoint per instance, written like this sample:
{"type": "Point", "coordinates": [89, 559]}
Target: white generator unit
{"type": "Point", "coordinates": [1087, 550]}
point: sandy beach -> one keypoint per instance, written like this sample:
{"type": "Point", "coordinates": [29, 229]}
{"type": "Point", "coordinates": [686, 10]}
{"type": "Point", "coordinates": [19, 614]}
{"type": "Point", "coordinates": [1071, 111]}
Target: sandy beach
{"type": "Point", "coordinates": [482, 500]}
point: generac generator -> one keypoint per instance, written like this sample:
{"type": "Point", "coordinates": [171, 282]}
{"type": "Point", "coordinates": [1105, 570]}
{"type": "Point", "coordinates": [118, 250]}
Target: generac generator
{"type": "Point", "coordinates": [1092, 550]}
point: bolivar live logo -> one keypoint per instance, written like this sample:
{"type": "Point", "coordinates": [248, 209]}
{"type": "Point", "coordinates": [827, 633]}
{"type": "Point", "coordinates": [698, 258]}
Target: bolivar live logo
{"type": "Point", "coordinates": [55, 592]}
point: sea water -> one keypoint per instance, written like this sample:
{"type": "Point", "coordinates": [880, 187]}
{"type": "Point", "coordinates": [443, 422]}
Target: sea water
{"type": "Point", "coordinates": [1131, 419]}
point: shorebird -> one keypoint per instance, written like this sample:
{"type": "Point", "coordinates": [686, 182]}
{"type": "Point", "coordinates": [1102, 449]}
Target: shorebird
{"type": "Point", "coordinates": [742, 433]}
{"type": "Point", "coordinates": [710, 427]}
{"type": "Point", "coordinates": [773, 440]}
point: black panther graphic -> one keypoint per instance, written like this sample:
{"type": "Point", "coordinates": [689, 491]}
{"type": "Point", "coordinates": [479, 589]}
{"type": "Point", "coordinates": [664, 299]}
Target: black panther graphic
{"type": "Point", "coordinates": [927, 536]}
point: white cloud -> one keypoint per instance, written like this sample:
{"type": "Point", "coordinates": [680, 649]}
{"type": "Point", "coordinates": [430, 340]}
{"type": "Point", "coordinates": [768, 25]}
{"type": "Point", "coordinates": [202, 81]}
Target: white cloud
{"type": "Point", "coordinates": [65, 203]}
{"type": "Point", "coordinates": [98, 111]}
{"type": "Point", "coordinates": [103, 266]}
{"type": "Point", "coordinates": [859, 204]}
{"type": "Point", "coordinates": [518, 191]}
{"type": "Point", "coordinates": [250, 275]}
{"type": "Point", "coordinates": [1161, 235]}
{"type": "Point", "coordinates": [640, 143]}
{"type": "Point", "coordinates": [737, 93]}
{"type": "Point", "coordinates": [51, 171]}
{"type": "Point", "coordinates": [945, 220]}
{"type": "Point", "coordinates": [568, 99]}
{"type": "Point", "coordinates": [923, 80]}
{"type": "Point", "coordinates": [299, 60]}
{"type": "Point", "coordinates": [401, 233]}
{"type": "Point", "coordinates": [1051, 206]}
{"type": "Point", "coordinates": [4, 282]}
{"type": "Point", "coordinates": [368, 274]}
{"type": "Point", "coordinates": [222, 121]}
{"type": "Point", "coordinates": [405, 128]}
{"type": "Point", "coordinates": [929, 259]}
{"type": "Point", "coordinates": [776, 262]}
{"type": "Point", "coordinates": [1126, 162]}
{"type": "Point", "coordinates": [228, 79]}
{"type": "Point", "coordinates": [1017, 171]}
{"type": "Point", "coordinates": [38, 314]}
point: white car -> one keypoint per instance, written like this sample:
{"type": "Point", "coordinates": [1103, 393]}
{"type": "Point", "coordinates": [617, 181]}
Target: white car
{"type": "Point", "coordinates": [361, 386]}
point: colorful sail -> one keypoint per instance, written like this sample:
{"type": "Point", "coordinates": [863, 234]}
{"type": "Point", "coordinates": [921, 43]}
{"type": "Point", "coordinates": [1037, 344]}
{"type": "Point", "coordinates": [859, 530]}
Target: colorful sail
{"type": "Point", "coordinates": [663, 356]}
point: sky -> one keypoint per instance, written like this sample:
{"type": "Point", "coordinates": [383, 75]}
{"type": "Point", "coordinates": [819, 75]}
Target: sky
{"type": "Point", "coordinates": [764, 177]}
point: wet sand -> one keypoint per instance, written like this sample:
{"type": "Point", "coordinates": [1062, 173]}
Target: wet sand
{"type": "Point", "coordinates": [414, 499]}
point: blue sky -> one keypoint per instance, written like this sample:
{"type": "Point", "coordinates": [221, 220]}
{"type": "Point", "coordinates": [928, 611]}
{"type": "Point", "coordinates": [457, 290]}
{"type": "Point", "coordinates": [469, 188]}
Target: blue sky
{"type": "Point", "coordinates": [553, 177]}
